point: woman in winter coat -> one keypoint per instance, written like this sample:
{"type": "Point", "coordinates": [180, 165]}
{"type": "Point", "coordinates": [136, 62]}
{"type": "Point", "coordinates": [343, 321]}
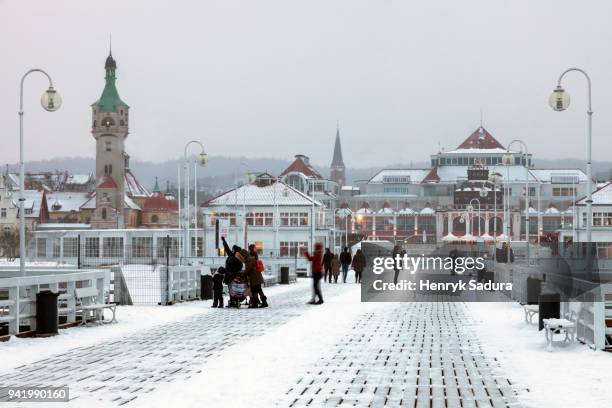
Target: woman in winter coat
{"type": "Point", "coordinates": [359, 262]}
{"type": "Point", "coordinates": [316, 264]}
{"type": "Point", "coordinates": [256, 289]}
{"type": "Point", "coordinates": [252, 274]}
{"type": "Point", "coordinates": [335, 268]}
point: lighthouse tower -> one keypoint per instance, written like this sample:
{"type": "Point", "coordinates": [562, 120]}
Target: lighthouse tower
{"type": "Point", "coordinates": [110, 129]}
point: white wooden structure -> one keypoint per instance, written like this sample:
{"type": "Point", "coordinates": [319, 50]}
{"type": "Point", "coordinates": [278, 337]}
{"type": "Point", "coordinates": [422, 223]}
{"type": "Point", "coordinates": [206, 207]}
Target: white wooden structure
{"type": "Point", "coordinates": [19, 307]}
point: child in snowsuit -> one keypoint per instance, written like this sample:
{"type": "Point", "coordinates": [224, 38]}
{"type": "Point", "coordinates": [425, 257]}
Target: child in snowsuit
{"type": "Point", "coordinates": [217, 279]}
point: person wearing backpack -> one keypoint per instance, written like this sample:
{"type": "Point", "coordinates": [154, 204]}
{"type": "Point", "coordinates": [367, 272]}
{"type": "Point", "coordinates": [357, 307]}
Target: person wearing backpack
{"type": "Point", "coordinates": [256, 280]}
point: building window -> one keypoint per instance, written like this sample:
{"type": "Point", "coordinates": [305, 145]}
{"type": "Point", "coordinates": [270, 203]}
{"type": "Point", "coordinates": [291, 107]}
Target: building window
{"type": "Point", "coordinates": [259, 218]}
{"type": "Point", "coordinates": [142, 247]}
{"type": "Point", "coordinates": [564, 191]}
{"type": "Point", "coordinates": [92, 247]}
{"type": "Point", "coordinates": [294, 219]}
{"type": "Point", "coordinates": [103, 213]}
{"type": "Point", "coordinates": [602, 219]}
{"type": "Point", "coordinates": [154, 219]}
{"type": "Point", "coordinates": [223, 215]}
{"type": "Point", "coordinates": [108, 146]}
{"type": "Point", "coordinates": [2, 212]}
{"type": "Point", "coordinates": [396, 179]}
{"type": "Point", "coordinates": [292, 248]}
{"type": "Point", "coordinates": [71, 247]}
{"type": "Point", "coordinates": [41, 247]}
{"type": "Point", "coordinates": [112, 247]}
{"type": "Point", "coordinates": [167, 244]}
{"type": "Point", "coordinates": [196, 248]}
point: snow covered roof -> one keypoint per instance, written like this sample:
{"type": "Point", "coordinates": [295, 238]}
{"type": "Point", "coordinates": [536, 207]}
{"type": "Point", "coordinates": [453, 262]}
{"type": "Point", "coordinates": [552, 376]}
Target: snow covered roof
{"type": "Point", "coordinates": [301, 164]}
{"type": "Point", "coordinates": [416, 175]}
{"type": "Point", "coordinates": [496, 150]}
{"type": "Point", "coordinates": [66, 201]}
{"type": "Point", "coordinates": [567, 176]}
{"type": "Point", "coordinates": [133, 188]}
{"type": "Point", "coordinates": [277, 193]}
{"type": "Point", "coordinates": [551, 210]}
{"type": "Point", "coordinates": [601, 196]}
{"type": "Point", "coordinates": [480, 139]}
{"type": "Point", "coordinates": [451, 174]}
{"type": "Point", "coordinates": [90, 204]}
{"type": "Point", "coordinates": [128, 203]}
{"type": "Point", "coordinates": [32, 204]}
{"type": "Point", "coordinates": [427, 211]}
{"type": "Point", "coordinates": [79, 179]}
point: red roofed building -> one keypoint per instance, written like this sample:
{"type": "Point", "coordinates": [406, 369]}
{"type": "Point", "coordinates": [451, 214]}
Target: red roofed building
{"type": "Point", "coordinates": [159, 210]}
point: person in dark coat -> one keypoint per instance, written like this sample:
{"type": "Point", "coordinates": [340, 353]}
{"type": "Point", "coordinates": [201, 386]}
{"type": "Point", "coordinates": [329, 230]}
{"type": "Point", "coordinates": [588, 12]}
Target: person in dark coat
{"type": "Point", "coordinates": [233, 265]}
{"type": "Point", "coordinates": [217, 279]}
{"type": "Point", "coordinates": [256, 277]}
{"type": "Point", "coordinates": [345, 260]}
{"type": "Point", "coordinates": [317, 273]}
{"type": "Point", "coordinates": [358, 264]}
{"type": "Point", "coordinates": [397, 250]}
{"type": "Point", "coordinates": [327, 261]}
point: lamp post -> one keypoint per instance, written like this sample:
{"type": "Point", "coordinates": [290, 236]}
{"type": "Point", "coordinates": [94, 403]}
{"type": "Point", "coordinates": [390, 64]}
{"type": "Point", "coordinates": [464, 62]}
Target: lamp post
{"type": "Point", "coordinates": [559, 100]}
{"type": "Point", "coordinates": [507, 156]}
{"type": "Point", "coordinates": [494, 178]}
{"type": "Point", "coordinates": [200, 160]}
{"type": "Point", "coordinates": [50, 101]}
{"type": "Point", "coordinates": [471, 208]}
{"type": "Point", "coordinates": [343, 213]}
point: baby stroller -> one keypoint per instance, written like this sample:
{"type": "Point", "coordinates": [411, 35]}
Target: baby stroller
{"type": "Point", "coordinates": [237, 289]}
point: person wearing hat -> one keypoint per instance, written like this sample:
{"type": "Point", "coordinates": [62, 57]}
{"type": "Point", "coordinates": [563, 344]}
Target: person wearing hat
{"type": "Point", "coordinates": [317, 273]}
{"type": "Point", "coordinates": [233, 264]}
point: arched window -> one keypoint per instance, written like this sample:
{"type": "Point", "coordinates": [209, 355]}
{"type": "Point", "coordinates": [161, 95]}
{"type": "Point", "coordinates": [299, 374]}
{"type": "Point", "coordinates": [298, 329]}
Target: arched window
{"type": "Point", "coordinates": [122, 122]}
{"type": "Point", "coordinates": [154, 219]}
{"type": "Point", "coordinates": [104, 213]}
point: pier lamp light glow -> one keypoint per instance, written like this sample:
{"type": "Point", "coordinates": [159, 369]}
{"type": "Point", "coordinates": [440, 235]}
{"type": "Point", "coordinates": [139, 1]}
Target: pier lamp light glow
{"type": "Point", "coordinates": [559, 100]}
{"type": "Point", "coordinates": [51, 100]}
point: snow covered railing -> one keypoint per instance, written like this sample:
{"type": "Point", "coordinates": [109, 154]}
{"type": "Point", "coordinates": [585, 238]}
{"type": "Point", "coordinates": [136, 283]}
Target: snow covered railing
{"type": "Point", "coordinates": [182, 283]}
{"type": "Point", "coordinates": [18, 305]}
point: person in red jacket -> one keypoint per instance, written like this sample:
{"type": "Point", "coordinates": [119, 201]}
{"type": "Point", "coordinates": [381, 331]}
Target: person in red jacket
{"type": "Point", "coordinates": [317, 273]}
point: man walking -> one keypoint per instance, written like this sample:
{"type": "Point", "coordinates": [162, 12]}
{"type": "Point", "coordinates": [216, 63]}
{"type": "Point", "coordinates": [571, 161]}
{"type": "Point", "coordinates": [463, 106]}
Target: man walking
{"type": "Point", "coordinates": [345, 260]}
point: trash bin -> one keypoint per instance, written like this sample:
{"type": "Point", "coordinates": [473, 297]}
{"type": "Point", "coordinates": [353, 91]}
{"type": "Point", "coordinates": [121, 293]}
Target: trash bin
{"type": "Point", "coordinates": [46, 313]}
{"type": "Point", "coordinates": [550, 307]}
{"type": "Point", "coordinates": [534, 288]}
{"type": "Point", "coordinates": [206, 287]}
{"type": "Point", "coordinates": [284, 275]}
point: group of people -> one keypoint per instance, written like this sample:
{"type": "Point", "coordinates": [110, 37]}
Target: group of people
{"type": "Point", "coordinates": [327, 266]}
{"type": "Point", "coordinates": [333, 263]}
{"type": "Point", "coordinates": [237, 259]}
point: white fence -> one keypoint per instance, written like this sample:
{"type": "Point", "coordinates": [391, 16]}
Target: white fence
{"type": "Point", "coordinates": [18, 294]}
{"type": "Point", "coordinates": [182, 283]}
{"type": "Point", "coordinates": [156, 285]}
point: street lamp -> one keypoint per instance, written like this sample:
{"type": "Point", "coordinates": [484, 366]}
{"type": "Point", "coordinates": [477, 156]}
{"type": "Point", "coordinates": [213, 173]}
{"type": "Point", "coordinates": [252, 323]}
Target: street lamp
{"type": "Point", "coordinates": [344, 213]}
{"type": "Point", "coordinates": [559, 101]}
{"type": "Point", "coordinates": [471, 209]}
{"type": "Point", "coordinates": [201, 160]}
{"type": "Point", "coordinates": [526, 155]}
{"type": "Point", "coordinates": [51, 101]}
{"type": "Point", "coordinates": [494, 178]}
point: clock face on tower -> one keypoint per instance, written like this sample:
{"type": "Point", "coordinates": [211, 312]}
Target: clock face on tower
{"type": "Point", "coordinates": [108, 122]}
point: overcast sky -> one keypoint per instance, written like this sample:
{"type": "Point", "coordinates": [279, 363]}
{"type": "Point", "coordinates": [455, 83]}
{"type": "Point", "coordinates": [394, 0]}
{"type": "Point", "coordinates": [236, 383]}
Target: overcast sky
{"type": "Point", "coordinates": [270, 78]}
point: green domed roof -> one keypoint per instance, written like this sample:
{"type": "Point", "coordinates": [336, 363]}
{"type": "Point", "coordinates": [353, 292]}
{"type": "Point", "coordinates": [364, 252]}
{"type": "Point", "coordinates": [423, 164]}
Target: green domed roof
{"type": "Point", "coordinates": [110, 99]}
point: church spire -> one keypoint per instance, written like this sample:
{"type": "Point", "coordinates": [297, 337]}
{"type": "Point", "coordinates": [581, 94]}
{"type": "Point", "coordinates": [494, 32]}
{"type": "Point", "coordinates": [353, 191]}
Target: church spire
{"type": "Point", "coordinates": [337, 158]}
{"type": "Point", "coordinates": [337, 164]}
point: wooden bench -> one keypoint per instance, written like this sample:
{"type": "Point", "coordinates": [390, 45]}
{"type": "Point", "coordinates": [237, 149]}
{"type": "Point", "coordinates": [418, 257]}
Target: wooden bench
{"type": "Point", "coordinates": [86, 302]}
{"type": "Point", "coordinates": [559, 326]}
{"type": "Point", "coordinates": [530, 312]}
